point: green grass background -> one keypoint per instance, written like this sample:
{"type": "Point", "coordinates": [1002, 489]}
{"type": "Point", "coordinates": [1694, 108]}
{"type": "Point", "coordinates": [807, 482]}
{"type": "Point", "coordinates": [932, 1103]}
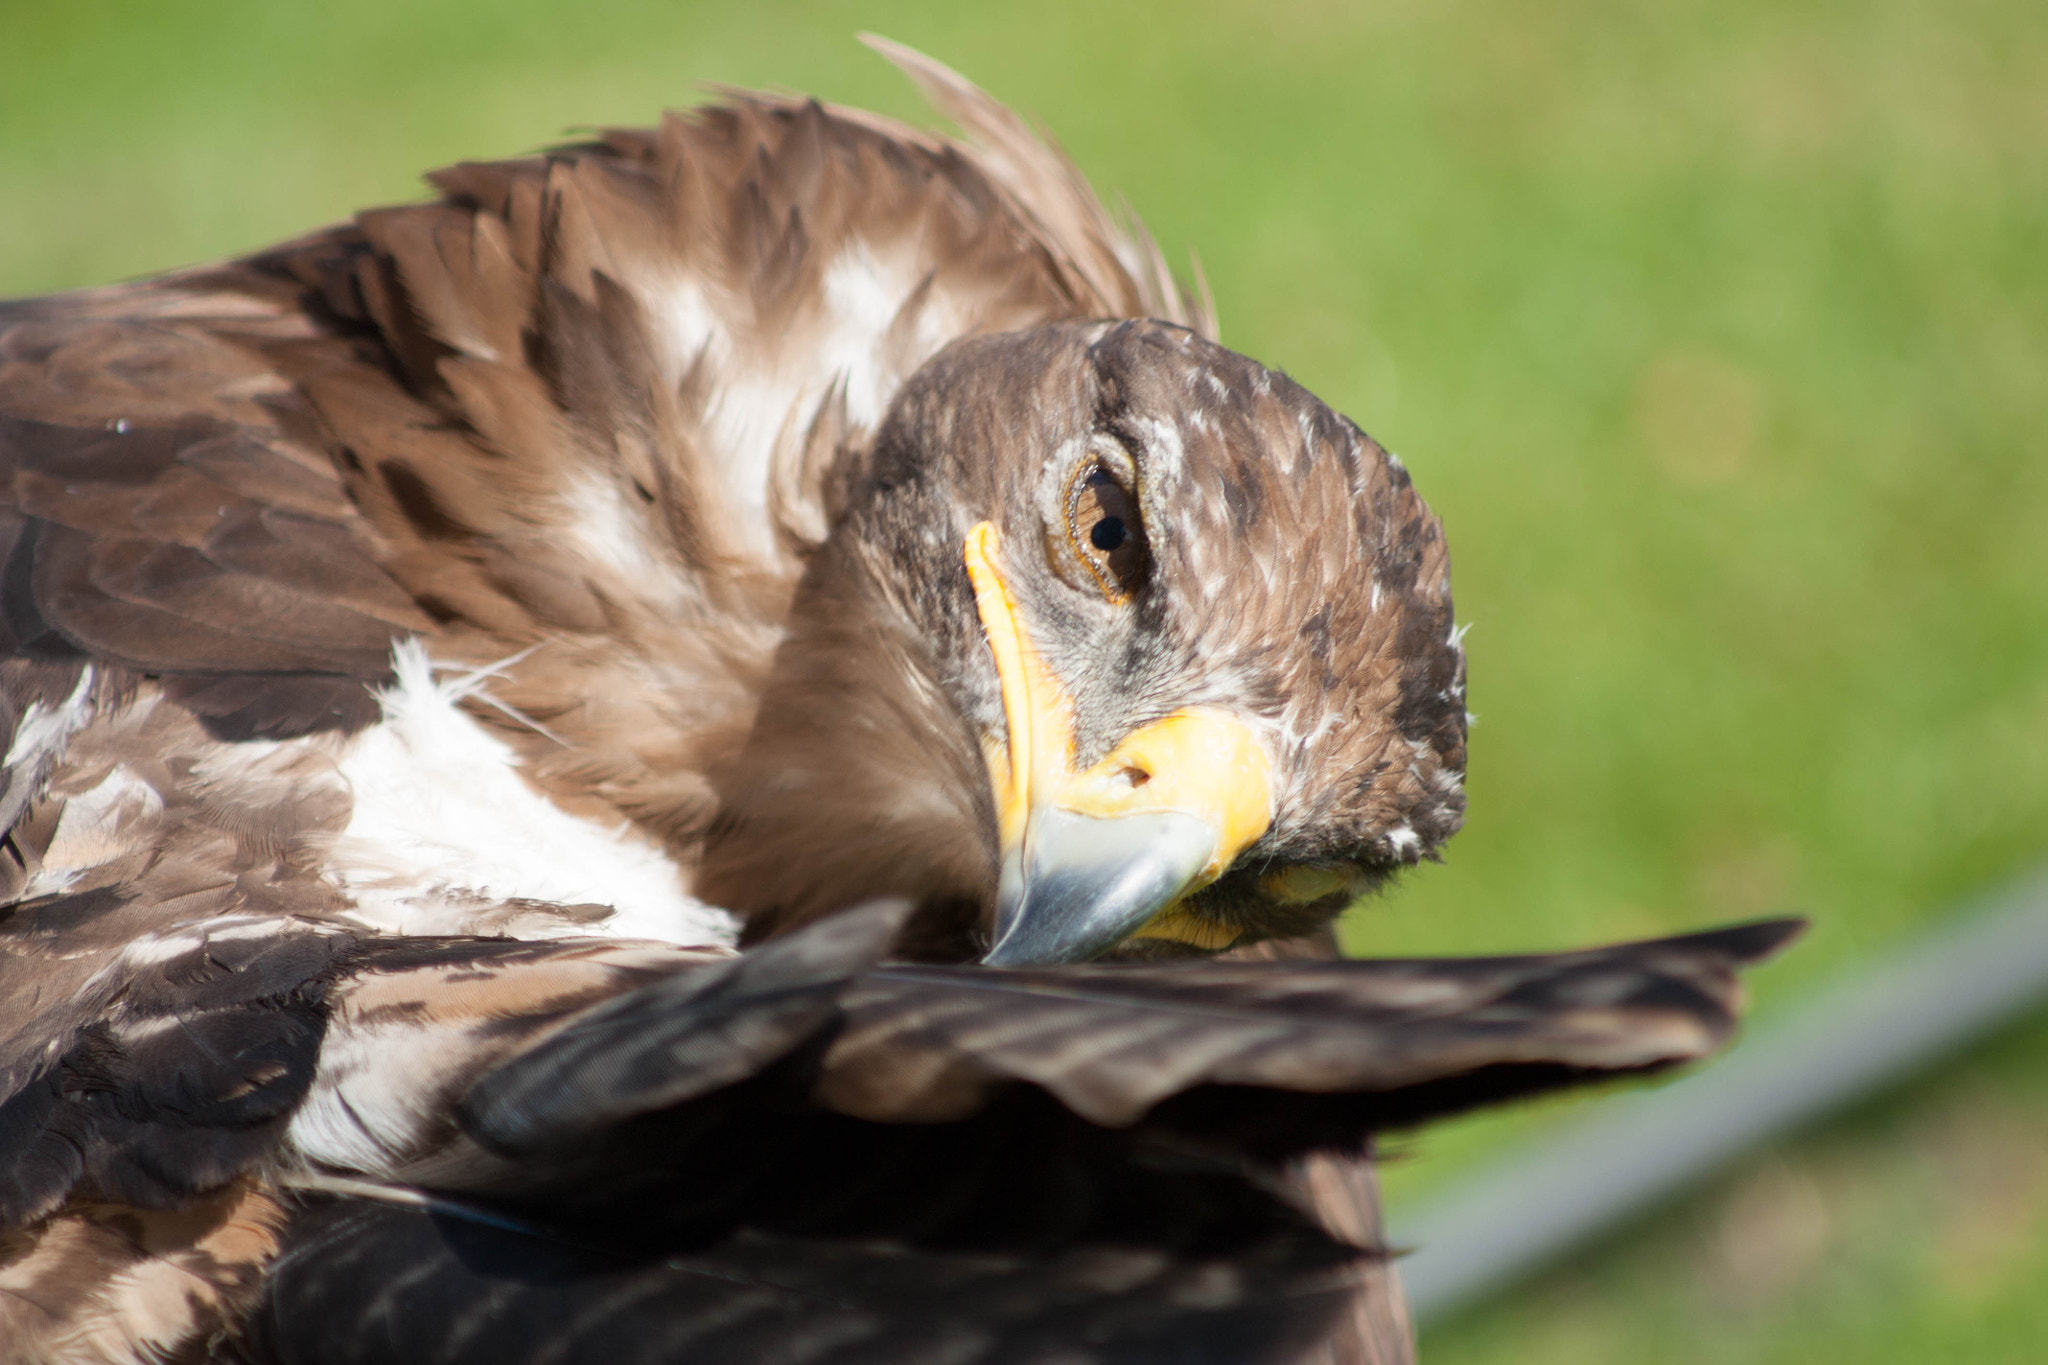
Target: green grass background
{"type": "Point", "coordinates": [1717, 331]}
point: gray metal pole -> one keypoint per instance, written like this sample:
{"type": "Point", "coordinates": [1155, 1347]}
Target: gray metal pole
{"type": "Point", "coordinates": [1981, 969]}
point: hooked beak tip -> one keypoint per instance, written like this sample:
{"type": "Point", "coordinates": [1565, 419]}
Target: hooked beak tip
{"type": "Point", "coordinates": [1085, 883]}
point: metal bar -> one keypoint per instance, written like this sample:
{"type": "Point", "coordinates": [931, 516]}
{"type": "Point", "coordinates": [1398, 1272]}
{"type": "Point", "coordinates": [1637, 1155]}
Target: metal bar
{"type": "Point", "coordinates": [1981, 969]}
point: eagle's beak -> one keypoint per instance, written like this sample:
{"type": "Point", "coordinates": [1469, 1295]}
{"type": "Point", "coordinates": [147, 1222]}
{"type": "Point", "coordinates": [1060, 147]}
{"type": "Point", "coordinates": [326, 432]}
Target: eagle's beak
{"type": "Point", "coordinates": [1093, 857]}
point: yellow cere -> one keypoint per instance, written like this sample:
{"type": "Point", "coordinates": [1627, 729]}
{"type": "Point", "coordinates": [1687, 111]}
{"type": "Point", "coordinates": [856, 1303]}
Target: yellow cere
{"type": "Point", "coordinates": [1203, 762]}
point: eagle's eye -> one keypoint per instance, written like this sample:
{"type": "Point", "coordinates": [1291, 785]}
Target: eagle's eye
{"type": "Point", "coordinates": [1105, 531]}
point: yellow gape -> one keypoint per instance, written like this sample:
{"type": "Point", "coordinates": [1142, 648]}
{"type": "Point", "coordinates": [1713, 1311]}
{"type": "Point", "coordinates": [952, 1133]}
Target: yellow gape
{"type": "Point", "coordinates": [1091, 857]}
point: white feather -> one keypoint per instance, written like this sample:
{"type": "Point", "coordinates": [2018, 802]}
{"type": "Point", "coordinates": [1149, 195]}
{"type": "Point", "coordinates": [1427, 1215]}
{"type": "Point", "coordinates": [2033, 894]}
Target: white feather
{"type": "Point", "coordinates": [375, 1100]}
{"type": "Point", "coordinates": [444, 826]}
{"type": "Point", "coordinates": [43, 731]}
{"type": "Point", "coordinates": [756, 409]}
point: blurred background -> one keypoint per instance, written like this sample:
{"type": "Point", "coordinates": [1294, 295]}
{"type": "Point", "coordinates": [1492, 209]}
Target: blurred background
{"type": "Point", "coordinates": [1716, 330]}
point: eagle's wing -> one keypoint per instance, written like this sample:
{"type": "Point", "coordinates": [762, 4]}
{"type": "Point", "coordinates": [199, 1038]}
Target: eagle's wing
{"type": "Point", "coordinates": [1038, 1166]}
{"type": "Point", "coordinates": [163, 510]}
{"type": "Point", "coordinates": [795, 1118]}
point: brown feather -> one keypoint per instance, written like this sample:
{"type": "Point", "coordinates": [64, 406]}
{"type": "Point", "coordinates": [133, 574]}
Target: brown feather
{"type": "Point", "coordinates": [103, 1284]}
{"type": "Point", "coordinates": [930, 1043]}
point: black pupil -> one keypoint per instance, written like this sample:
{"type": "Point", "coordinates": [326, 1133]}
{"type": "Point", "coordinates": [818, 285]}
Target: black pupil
{"type": "Point", "coordinates": [1107, 534]}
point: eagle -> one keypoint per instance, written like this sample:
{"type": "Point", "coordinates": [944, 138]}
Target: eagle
{"type": "Point", "coordinates": [676, 753]}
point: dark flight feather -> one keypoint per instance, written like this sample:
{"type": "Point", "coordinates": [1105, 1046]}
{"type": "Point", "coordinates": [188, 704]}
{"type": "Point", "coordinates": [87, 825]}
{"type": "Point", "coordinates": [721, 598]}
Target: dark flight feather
{"type": "Point", "coordinates": [457, 1291]}
{"type": "Point", "coordinates": [923, 1043]}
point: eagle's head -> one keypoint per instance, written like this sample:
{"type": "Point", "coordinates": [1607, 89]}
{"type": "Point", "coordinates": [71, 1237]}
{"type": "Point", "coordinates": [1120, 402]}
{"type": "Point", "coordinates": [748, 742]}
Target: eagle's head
{"type": "Point", "coordinates": [1120, 642]}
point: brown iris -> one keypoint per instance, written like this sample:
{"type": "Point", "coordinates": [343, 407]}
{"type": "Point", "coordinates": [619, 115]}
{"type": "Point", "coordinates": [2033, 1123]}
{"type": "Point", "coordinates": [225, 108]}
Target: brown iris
{"type": "Point", "coordinates": [1106, 532]}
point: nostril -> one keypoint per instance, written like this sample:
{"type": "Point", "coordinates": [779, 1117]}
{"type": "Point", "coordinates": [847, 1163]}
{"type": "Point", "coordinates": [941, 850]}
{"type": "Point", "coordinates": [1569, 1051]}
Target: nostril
{"type": "Point", "coordinates": [1137, 777]}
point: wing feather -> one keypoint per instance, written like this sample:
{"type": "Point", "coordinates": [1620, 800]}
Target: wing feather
{"type": "Point", "coordinates": [1036, 1219]}
{"type": "Point", "coordinates": [460, 1291]}
{"type": "Point", "coordinates": [923, 1043]}
{"type": "Point", "coordinates": [167, 521]}
{"type": "Point", "coordinates": [884, 1122]}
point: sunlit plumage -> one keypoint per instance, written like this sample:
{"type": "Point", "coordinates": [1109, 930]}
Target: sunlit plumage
{"type": "Point", "coordinates": [434, 644]}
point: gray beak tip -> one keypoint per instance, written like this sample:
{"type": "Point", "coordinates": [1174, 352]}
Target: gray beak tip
{"type": "Point", "coordinates": [1085, 883]}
